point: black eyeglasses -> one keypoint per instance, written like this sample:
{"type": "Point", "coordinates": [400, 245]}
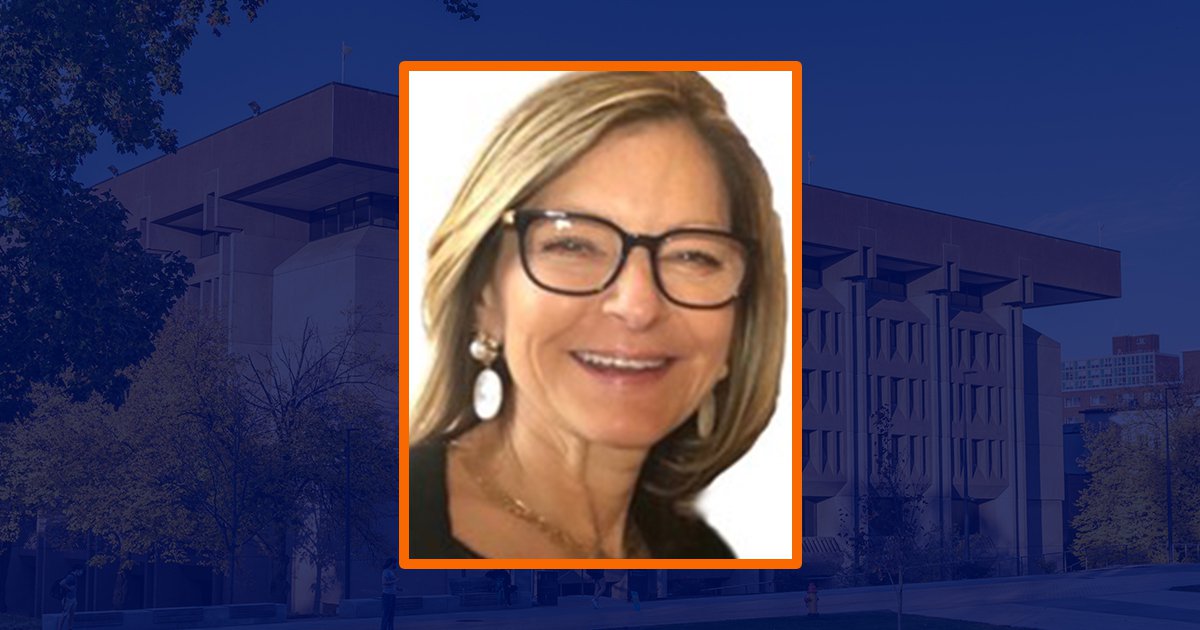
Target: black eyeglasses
{"type": "Point", "coordinates": [578, 254]}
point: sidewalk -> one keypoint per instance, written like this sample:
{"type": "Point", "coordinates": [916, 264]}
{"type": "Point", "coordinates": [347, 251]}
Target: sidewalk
{"type": "Point", "coordinates": [1121, 598]}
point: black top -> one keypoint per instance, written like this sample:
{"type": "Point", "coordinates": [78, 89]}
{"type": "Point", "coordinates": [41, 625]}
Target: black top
{"type": "Point", "coordinates": [667, 533]}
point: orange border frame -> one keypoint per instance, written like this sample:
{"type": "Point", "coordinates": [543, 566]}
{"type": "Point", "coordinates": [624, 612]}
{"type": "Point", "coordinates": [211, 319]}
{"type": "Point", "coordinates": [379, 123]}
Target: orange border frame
{"type": "Point", "coordinates": [404, 310]}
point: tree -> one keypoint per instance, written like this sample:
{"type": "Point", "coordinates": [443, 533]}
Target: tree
{"type": "Point", "coordinates": [318, 393]}
{"type": "Point", "coordinates": [79, 298]}
{"type": "Point", "coordinates": [174, 472]}
{"type": "Point", "coordinates": [466, 9]}
{"type": "Point", "coordinates": [212, 454]}
{"type": "Point", "coordinates": [1122, 511]}
{"type": "Point", "coordinates": [894, 540]}
{"type": "Point", "coordinates": [215, 457]}
{"type": "Point", "coordinates": [79, 465]}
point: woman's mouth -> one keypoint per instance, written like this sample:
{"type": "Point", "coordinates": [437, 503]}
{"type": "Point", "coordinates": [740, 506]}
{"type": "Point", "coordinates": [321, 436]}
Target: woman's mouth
{"type": "Point", "coordinates": [622, 367]}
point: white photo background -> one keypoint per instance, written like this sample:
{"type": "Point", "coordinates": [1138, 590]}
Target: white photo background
{"type": "Point", "coordinates": [452, 113]}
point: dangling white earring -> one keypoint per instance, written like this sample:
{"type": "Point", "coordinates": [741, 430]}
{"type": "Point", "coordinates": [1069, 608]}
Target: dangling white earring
{"type": "Point", "coordinates": [706, 417]}
{"type": "Point", "coordinates": [489, 389]}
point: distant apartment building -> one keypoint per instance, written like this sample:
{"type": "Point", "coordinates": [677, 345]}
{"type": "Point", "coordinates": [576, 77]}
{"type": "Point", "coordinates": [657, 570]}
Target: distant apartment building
{"type": "Point", "coordinates": [1130, 383]}
{"type": "Point", "coordinates": [1191, 370]}
{"type": "Point", "coordinates": [1128, 378]}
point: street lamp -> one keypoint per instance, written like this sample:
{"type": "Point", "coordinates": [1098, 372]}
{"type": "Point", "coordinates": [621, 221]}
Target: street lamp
{"type": "Point", "coordinates": [1167, 447]}
{"type": "Point", "coordinates": [966, 474]}
{"type": "Point", "coordinates": [346, 583]}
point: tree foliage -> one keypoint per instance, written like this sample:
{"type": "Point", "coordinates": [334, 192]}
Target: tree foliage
{"type": "Point", "coordinates": [1122, 511]}
{"type": "Point", "coordinates": [465, 9]}
{"type": "Point", "coordinates": [79, 298]}
{"type": "Point", "coordinates": [212, 456]}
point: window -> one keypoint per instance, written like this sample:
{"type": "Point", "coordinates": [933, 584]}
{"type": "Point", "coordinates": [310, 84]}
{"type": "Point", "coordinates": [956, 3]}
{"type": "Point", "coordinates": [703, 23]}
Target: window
{"type": "Point", "coordinates": [210, 243]}
{"type": "Point", "coordinates": [965, 301]}
{"type": "Point", "coordinates": [350, 214]}
{"type": "Point", "coordinates": [837, 392]}
{"type": "Point", "coordinates": [812, 272]}
{"type": "Point", "coordinates": [889, 285]}
{"type": "Point", "coordinates": [362, 211]}
{"type": "Point", "coordinates": [383, 211]}
{"type": "Point", "coordinates": [330, 219]}
{"type": "Point", "coordinates": [836, 318]}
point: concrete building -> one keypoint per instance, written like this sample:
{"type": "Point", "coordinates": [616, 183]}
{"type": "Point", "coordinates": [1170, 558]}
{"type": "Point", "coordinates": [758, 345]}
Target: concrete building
{"type": "Point", "coordinates": [290, 219]}
{"type": "Point", "coordinates": [1191, 370]}
{"type": "Point", "coordinates": [922, 313]}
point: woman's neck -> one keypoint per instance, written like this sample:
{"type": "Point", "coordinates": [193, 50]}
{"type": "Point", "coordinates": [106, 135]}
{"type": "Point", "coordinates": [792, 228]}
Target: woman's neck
{"type": "Point", "coordinates": [580, 487]}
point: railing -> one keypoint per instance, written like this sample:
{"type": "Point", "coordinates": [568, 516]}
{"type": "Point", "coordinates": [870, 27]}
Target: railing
{"type": "Point", "coordinates": [1186, 552]}
{"type": "Point", "coordinates": [1124, 555]}
{"type": "Point", "coordinates": [737, 586]}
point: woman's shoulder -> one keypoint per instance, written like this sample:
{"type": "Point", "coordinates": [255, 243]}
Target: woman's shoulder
{"type": "Point", "coordinates": [427, 461]}
{"type": "Point", "coordinates": [430, 534]}
{"type": "Point", "coordinates": [671, 533]}
{"type": "Point", "coordinates": [428, 513]}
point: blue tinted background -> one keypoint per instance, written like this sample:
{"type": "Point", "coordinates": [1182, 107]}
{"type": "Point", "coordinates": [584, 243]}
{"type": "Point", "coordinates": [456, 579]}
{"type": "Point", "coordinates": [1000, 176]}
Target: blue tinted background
{"type": "Point", "coordinates": [1075, 121]}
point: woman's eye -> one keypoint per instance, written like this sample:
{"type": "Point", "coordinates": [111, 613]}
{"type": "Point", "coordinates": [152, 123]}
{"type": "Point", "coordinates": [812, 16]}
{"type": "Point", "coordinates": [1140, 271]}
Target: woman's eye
{"type": "Point", "coordinates": [698, 259]}
{"type": "Point", "coordinates": [567, 246]}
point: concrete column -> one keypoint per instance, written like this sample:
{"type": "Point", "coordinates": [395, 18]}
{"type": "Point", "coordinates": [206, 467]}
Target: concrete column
{"type": "Point", "coordinates": [860, 400]}
{"type": "Point", "coordinates": [943, 436]}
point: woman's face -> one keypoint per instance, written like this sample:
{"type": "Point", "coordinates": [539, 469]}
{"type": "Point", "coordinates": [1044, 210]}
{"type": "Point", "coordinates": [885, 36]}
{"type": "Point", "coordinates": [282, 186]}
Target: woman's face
{"type": "Point", "coordinates": [623, 367]}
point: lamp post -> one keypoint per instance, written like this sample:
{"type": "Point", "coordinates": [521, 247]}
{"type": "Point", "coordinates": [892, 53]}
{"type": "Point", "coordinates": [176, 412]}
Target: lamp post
{"type": "Point", "coordinates": [1167, 446]}
{"type": "Point", "coordinates": [966, 474]}
{"type": "Point", "coordinates": [346, 582]}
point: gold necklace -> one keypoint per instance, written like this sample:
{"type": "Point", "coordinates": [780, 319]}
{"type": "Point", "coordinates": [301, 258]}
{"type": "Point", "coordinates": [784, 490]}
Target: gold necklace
{"type": "Point", "coordinates": [634, 545]}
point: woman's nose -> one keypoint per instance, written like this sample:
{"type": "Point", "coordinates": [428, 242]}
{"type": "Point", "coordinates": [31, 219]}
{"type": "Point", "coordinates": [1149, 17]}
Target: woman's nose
{"type": "Point", "coordinates": [634, 297]}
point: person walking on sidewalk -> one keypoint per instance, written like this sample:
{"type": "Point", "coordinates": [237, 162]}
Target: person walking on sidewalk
{"type": "Point", "coordinates": [69, 587]}
{"type": "Point", "coordinates": [389, 580]}
{"type": "Point", "coordinates": [597, 576]}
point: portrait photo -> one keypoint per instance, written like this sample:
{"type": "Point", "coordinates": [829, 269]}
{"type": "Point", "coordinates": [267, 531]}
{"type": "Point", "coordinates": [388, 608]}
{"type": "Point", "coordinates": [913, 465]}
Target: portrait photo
{"type": "Point", "coordinates": [599, 314]}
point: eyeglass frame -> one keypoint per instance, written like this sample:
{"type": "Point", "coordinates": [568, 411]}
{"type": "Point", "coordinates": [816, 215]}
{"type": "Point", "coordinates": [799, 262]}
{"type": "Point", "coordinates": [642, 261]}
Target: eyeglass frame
{"type": "Point", "coordinates": [521, 219]}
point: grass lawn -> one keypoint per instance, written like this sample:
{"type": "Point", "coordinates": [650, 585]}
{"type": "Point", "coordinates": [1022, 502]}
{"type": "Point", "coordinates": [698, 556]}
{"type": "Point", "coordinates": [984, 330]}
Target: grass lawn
{"type": "Point", "coordinates": [13, 622]}
{"type": "Point", "coordinates": [880, 619]}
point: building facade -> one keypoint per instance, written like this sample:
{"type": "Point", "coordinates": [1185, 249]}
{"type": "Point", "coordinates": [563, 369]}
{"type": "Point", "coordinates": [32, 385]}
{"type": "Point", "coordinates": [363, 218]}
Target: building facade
{"type": "Point", "coordinates": [922, 314]}
{"type": "Point", "coordinates": [290, 220]}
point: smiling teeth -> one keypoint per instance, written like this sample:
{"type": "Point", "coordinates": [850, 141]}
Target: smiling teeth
{"type": "Point", "coordinates": [620, 363]}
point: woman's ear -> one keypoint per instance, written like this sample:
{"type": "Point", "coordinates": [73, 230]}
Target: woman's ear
{"type": "Point", "coordinates": [489, 319]}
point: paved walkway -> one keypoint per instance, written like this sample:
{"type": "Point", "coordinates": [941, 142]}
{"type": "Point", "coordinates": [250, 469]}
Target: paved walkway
{"type": "Point", "coordinates": [1120, 598]}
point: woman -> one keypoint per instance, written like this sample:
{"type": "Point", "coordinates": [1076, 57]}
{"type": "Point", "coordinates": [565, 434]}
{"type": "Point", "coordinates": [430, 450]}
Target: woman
{"type": "Point", "coordinates": [607, 303]}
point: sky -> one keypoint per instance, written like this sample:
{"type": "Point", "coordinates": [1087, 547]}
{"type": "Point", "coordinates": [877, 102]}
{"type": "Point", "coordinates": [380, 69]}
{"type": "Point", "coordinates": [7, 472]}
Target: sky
{"type": "Point", "coordinates": [1077, 120]}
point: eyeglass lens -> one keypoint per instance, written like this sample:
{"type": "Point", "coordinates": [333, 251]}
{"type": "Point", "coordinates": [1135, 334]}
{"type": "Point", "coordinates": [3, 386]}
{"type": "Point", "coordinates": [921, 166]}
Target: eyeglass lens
{"type": "Point", "coordinates": [580, 255]}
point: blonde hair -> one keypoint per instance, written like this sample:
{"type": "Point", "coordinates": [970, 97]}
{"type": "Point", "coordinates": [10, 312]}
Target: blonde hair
{"type": "Point", "coordinates": [539, 140]}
